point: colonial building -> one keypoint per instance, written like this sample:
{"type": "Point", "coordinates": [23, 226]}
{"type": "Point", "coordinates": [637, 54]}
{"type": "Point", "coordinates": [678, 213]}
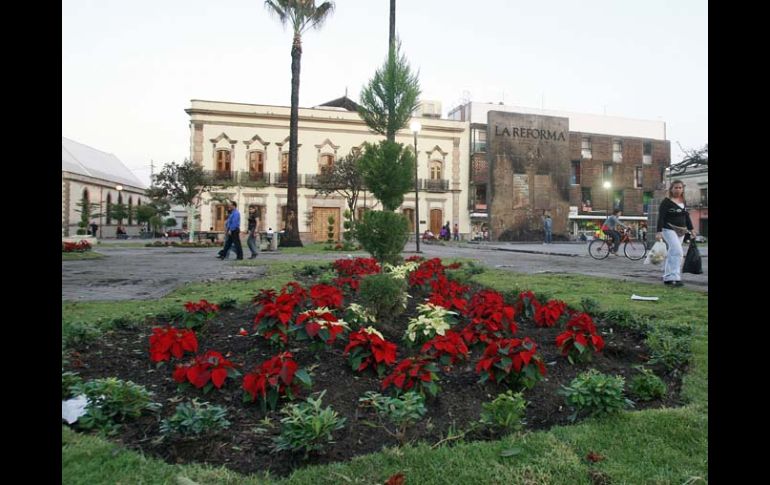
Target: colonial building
{"type": "Point", "coordinates": [578, 167]}
{"type": "Point", "coordinates": [246, 149]}
{"type": "Point", "coordinates": [98, 178]}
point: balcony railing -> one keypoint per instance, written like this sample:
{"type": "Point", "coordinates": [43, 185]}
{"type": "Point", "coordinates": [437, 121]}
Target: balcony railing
{"type": "Point", "coordinates": [279, 179]}
{"type": "Point", "coordinates": [434, 185]}
{"type": "Point", "coordinates": [253, 178]}
{"type": "Point", "coordinates": [221, 176]}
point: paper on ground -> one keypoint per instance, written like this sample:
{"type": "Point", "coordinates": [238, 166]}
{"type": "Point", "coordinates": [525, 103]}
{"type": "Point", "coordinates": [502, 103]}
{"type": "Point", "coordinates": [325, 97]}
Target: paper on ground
{"type": "Point", "coordinates": [644, 298]}
{"type": "Point", "coordinates": [72, 409]}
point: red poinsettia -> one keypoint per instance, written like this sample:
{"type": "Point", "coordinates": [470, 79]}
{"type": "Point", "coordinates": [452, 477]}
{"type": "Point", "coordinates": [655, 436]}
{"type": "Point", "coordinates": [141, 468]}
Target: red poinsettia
{"type": "Point", "coordinates": [427, 271]}
{"type": "Point", "coordinates": [579, 338]}
{"type": "Point", "coordinates": [277, 311]}
{"type": "Point", "coordinates": [318, 326]}
{"type": "Point", "coordinates": [490, 318]}
{"type": "Point", "coordinates": [447, 349]}
{"type": "Point", "coordinates": [274, 378]}
{"type": "Point", "coordinates": [448, 294]}
{"type": "Point", "coordinates": [527, 304]}
{"type": "Point", "coordinates": [75, 247]}
{"type": "Point", "coordinates": [514, 360]}
{"type": "Point", "coordinates": [205, 371]}
{"type": "Point", "coordinates": [199, 313]}
{"type": "Point", "coordinates": [549, 314]}
{"type": "Point", "coordinates": [351, 271]}
{"type": "Point", "coordinates": [326, 296]}
{"type": "Point", "coordinates": [168, 341]}
{"type": "Point", "coordinates": [367, 347]}
{"type": "Point", "coordinates": [418, 373]}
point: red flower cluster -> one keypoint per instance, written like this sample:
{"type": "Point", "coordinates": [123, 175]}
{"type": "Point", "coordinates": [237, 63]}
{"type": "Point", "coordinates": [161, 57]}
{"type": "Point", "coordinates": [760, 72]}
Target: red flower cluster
{"type": "Point", "coordinates": [274, 378]}
{"type": "Point", "coordinates": [369, 349]}
{"type": "Point", "coordinates": [579, 336]}
{"type": "Point", "coordinates": [315, 325]}
{"type": "Point", "coordinates": [413, 372]}
{"type": "Point", "coordinates": [326, 295]}
{"type": "Point", "coordinates": [165, 342]}
{"type": "Point", "coordinates": [448, 293]}
{"type": "Point", "coordinates": [490, 318]}
{"type": "Point", "coordinates": [352, 270]}
{"type": "Point", "coordinates": [428, 270]}
{"type": "Point", "coordinates": [549, 314]}
{"type": "Point", "coordinates": [202, 306]}
{"type": "Point", "coordinates": [527, 304]}
{"type": "Point", "coordinates": [514, 359]}
{"type": "Point", "coordinates": [205, 370]}
{"type": "Point", "coordinates": [75, 247]}
{"type": "Point", "coordinates": [272, 321]}
{"type": "Point", "coordinates": [447, 349]}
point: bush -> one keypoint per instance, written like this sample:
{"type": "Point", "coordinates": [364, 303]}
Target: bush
{"type": "Point", "coordinates": [506, 411]}
{"type": "Point", "coordinates": [77, 334]}
{"type": "Point", "coordinates": [647, 386]}
{"type": "Point", "coordinates": [383, 296]}
{"type": "Point", "coordinates": [112, 400]}
{"type": "Point", "coordinates": [69, 379]}
{"type": "Point", "coordinates": [225, 303]}
{"type": "Point", "coordinates": [590, 305]}
{"type": "Point", "coordinates": [671, 351]}
{"type": "Point", "coordinates": [195, 418]}
{"type": "Point", "coordinates": [402, 411]}
{"type": "Point", "coordinates": [596, 393]}
{"type": "Point", "coordinates": [383, 234]}
{"type": "Point", "coordinates": [311, 270]}
{"type": "Point", "coordinates": [124, 323]}
{"type": "Point", "coordinates": [307, 427]}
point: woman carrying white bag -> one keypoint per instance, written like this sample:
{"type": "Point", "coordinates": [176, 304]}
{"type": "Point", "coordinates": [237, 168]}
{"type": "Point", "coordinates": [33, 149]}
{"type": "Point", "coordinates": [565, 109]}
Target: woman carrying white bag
{"type": "Point", "coordinates": [673, 223]}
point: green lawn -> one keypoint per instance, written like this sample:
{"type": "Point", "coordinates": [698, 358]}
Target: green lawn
{"type": "Point", "coordinates": [81, 256]}
{"type": "Point", "coordinates": [658, 446]}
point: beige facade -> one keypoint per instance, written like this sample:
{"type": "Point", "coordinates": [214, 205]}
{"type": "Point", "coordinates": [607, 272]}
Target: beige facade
{"type": "Point", "coordinates": [244, 144]}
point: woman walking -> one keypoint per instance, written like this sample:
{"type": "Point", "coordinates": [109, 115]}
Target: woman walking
{"type": "Point", "coordinates": [673, 223]}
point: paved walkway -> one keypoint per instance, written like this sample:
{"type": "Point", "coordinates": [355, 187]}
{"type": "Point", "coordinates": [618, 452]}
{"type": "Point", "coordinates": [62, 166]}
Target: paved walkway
{"type": "Point", "coordinates": [150, 273]}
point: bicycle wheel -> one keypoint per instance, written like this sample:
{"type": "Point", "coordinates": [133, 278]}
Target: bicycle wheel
{"type": "Point", "coordinates": [599, 249]}
{"type": "Point", "coordinates": [635, 250]}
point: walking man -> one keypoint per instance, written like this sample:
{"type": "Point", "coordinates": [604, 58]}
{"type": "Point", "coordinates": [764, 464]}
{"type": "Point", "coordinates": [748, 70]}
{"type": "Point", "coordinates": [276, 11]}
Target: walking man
{"type": "Point", "coordinates": [548, 227]}
{"type": "Point", "coordinates": [233, 228]}
{"type": "Point", "coordinates": [252, 239]}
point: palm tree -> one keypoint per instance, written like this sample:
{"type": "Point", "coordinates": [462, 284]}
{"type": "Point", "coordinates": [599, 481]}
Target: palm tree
{"type": "Point", "coordinates": [301, 15]}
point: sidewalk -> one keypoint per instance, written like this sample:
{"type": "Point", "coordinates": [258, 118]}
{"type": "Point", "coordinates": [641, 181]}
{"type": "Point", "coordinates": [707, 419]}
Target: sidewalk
{"type": "Point", "coordinates": [572, 249]}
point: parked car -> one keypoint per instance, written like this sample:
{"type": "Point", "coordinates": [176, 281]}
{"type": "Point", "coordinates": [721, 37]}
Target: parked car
{"type": "Point", "coordinates": [182, 235]}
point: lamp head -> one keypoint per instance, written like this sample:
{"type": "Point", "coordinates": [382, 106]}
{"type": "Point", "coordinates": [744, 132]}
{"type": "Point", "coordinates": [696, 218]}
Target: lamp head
{"type": "Point", "coordinates": [415, 126]}
{"type": "Point", "coordinates": [607, 184]}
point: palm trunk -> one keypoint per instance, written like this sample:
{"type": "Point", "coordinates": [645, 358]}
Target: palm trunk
{"type": "Point", "coordinates": [291, 231]}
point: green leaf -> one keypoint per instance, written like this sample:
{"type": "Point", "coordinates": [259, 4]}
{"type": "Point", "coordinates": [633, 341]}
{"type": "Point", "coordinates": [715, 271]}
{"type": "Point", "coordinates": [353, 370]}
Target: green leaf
{"type": "Point", "coordinates": [303, 377]}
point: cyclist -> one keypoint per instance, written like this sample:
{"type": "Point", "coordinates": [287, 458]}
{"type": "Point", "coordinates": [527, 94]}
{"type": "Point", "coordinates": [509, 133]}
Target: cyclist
{"type": "Point", "coordinates": [610, 228]}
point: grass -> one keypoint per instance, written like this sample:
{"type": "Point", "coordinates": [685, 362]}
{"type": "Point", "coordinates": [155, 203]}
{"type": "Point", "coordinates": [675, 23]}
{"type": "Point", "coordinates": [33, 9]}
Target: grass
{"type": "Point", "coordinates": [81, 256]}
{"type": "Point", "coordinates": [652, 446]}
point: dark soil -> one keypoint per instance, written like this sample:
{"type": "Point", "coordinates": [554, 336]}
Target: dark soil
{"type": "Point", "coordinates": [245, 446]}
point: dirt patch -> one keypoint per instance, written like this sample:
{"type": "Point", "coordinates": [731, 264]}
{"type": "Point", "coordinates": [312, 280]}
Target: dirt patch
{"type": "Point", "coordinates": [245, 446]}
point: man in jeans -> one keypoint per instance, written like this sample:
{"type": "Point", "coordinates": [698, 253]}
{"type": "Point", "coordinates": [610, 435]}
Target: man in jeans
{"type": "Point", "coordinates": [252, 239]}
{"type": "Point", "coordinates": [233, 229]}
{"type": "Point", "coordinates": [610, 228]}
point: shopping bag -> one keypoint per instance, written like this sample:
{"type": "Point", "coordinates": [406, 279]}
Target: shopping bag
{"type": "Point", "coordinates": [657, 254]}
{"type": "Point", "coordinates": [692, 261]}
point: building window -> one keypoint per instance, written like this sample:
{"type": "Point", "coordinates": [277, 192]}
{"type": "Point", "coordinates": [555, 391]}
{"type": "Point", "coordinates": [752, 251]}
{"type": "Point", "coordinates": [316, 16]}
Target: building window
{"type": "Point", "coordinates": [223, 160]}
{"type": "Point", "coordinates": [647, 201]}
{"type": "Point", "coordinates": [662, 174]}
{"type": "Point", "coordinates": [607, 173]}
{"type": "Point", "coordinates": [479, 140]}
{"type": "Point", "coordinates": [585, 194]}
{"type": "Point", "coordinates": [256, 162]}
{"type": "Point", "coordinates": [480, 202]}
{"type": "Point", "coordinates": [435, 170]}
{"type": "Point", "coordinates": [575, 177]}
{"type": "Point", "coordinates": [585, 147]}
{"type": "Point", "coordinates": [617, 151]}
{"type": "Point", "coordinates": [326, 162]}
{"type": "Point", "coordinates": [617, 200]}
{"type": "Point", "coordinates": [647, 152]}
{"type": "Point", "coordinates": [284, 176]}
{"type": "Point", "coordinates": [704, 197]}
{"type": "Point", "coordinates": [638, 177]}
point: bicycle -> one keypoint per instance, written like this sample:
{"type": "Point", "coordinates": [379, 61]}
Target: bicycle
{"type": "Point", "coordinates": [632, 249]}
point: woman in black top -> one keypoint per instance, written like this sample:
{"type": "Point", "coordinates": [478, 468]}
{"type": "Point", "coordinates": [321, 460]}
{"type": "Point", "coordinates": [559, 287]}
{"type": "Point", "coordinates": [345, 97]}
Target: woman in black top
{"type": "Point", "coordinates": [673, 223]}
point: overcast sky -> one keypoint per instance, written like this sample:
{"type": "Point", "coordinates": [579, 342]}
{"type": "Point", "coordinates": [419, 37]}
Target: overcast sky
{"type": "Point", "coordinates": [130, 68]}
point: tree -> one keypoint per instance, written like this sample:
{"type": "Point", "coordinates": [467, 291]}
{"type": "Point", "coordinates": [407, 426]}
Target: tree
{"type": "Point", "coordinates": [181, 184]}
{"type": "Point", "coordinates": [152, 212]}
{"type": "Point", "coordinates": [392, 30]}
{"type": "Point", "coordinates": [388, 172]}
{"type": "Point", "coordinates": [170, 222]}
{"type": "Point", "coordinates": [87, 210]}
{"type": "Point", "coordinates": [391, 96]}
{"type": "Point", "coordinates": [344, 178]}
{"type": "Point", "coordinates": [119, 211]}
{"type": "Point", "coordinates": [693, 158]}
{"type": "Point", "coordinates": [301, 15]}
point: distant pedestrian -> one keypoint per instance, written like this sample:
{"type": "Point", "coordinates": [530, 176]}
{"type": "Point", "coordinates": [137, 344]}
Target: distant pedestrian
{"type": "Point", "coordinates": [252, 239]}
{"type": "Point", "coordinates": [456, 233]}
{"type": "Point", "coordinates": [233, 228]}
{"type": "Point", "coordinates": [94, 227]}
{"type": "Point", "coordinates": [548, 227]}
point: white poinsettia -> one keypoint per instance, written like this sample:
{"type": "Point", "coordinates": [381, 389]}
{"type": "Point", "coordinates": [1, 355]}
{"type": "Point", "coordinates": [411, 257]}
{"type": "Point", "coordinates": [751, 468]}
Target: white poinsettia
{"type": "Point", "coordinates": [431, 321]}
{"type": "Point", "coordinates": [401, 271]}
{"type": "Point", "coordinates": [360, 315]}
{"type": "Point", "coordinates": [373, 331]}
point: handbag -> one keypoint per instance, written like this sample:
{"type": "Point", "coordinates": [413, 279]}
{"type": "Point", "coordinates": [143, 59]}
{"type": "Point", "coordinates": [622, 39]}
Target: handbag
{"type": "Point", "coordinates": [692, 260]}
{"type": "Point", "coordinates": [679, 230]}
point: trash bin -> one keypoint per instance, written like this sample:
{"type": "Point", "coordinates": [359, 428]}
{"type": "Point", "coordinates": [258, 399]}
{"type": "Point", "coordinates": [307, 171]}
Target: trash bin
{"type": "Point", "coordinates": [274, 242]}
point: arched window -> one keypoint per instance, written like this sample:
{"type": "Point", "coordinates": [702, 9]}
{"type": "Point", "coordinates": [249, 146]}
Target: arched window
{"type": "Point", "coordinates": [223, 160]}
{"type": "Point", "coordinates": [435, 170]}
{"type": "Point", "coordinates": [256, 162]}
{"type": "Point", "coordinates": [109, 208]}
{"type": "Point", "coordinates": [325, 163]}
{"type": "Point", "coordinates": [85, 196]}
{"type": "Point", "coordinates": [120, 197]}
{"type": "Point", "coordinates": [130, 210]}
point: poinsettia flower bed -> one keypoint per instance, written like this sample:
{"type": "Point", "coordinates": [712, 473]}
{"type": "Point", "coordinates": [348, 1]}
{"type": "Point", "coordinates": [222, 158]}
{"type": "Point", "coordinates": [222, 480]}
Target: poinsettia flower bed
{"type": "Point", "coordinates": [251, 359]}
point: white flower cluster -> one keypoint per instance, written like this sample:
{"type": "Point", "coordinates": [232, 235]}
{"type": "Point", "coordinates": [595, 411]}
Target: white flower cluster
{"type": "Point", "coordinates": [400, 271]}
{"type": "Point", "coordinates": [431, 321]}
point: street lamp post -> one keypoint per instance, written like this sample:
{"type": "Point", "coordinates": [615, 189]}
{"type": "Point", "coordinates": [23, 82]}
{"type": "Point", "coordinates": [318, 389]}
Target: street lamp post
{"type": "Point", "coordinates": [607, 186]}
{"type": "Point", "coordinates": [415, 127]}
